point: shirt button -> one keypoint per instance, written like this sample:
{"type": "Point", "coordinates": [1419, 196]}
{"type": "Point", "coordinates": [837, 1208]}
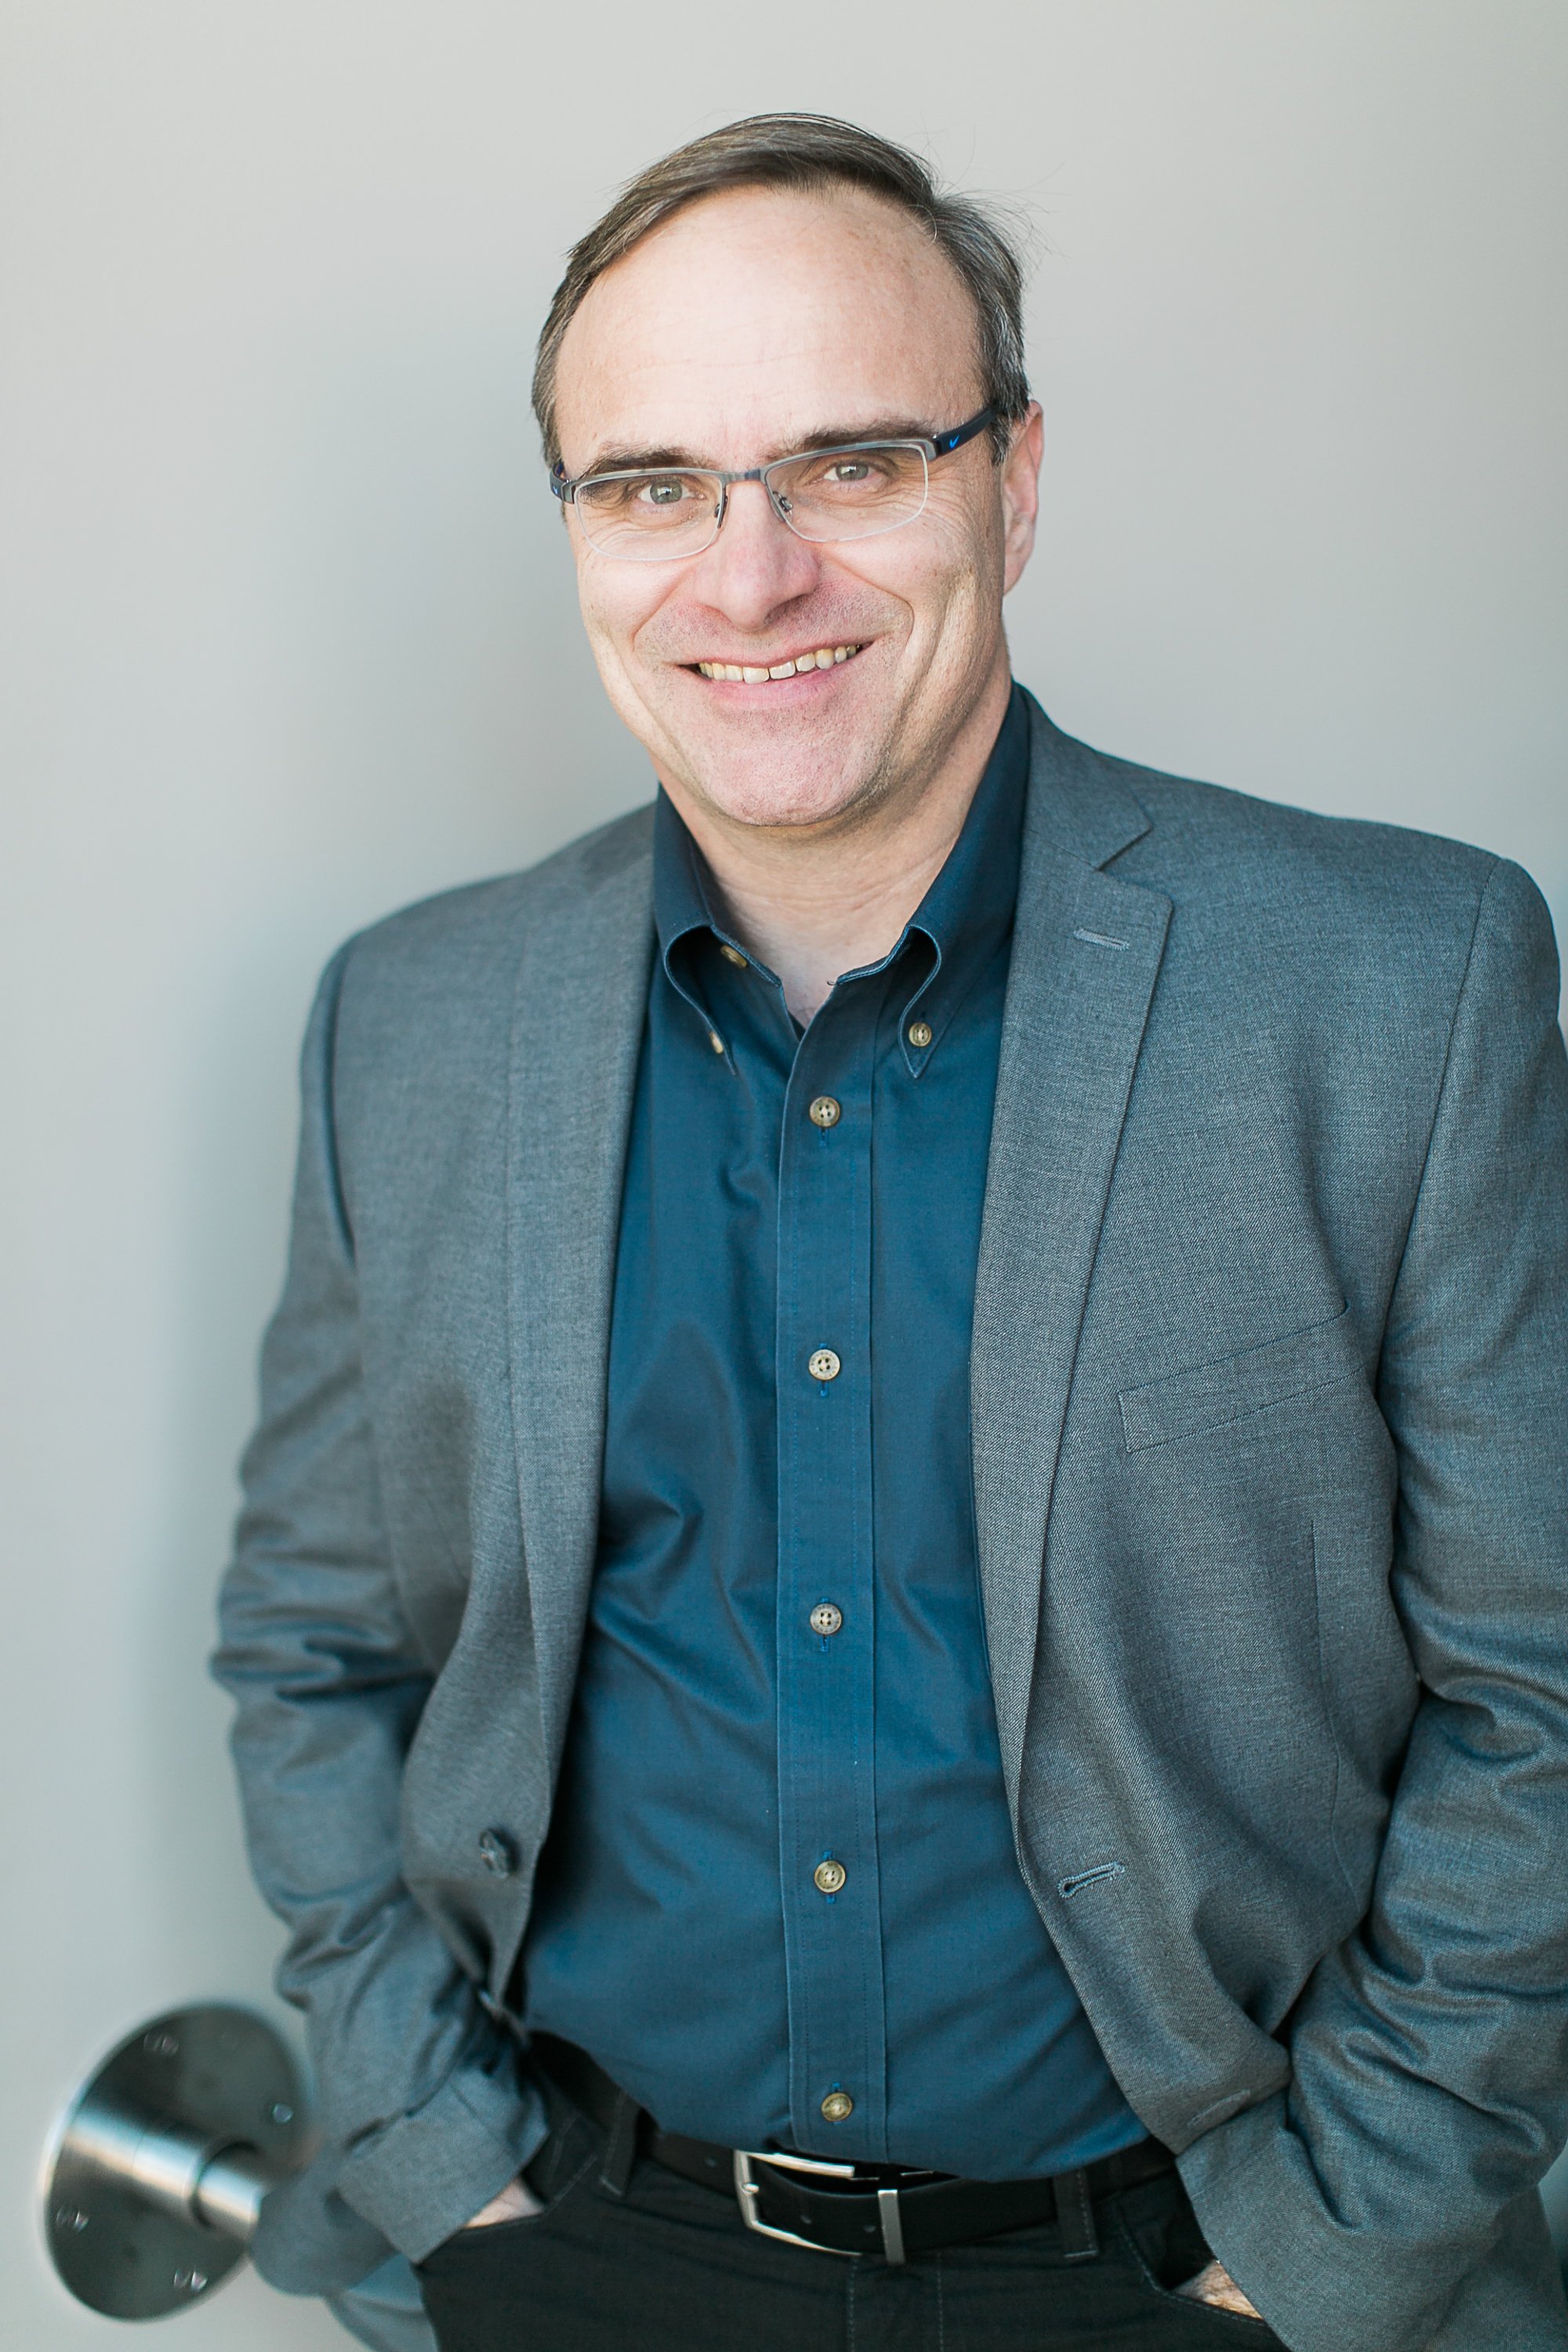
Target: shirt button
{"type": "Point", "coordinates": [732, 955]}
{"type": "Point", "coordinates": [823, 1365]}
{"type": "Point", "coordinates": [825, 1619]}
{"type": "Point", "coordinates": [830, 1876]}
{"type": "Point", "coordinates": [715, 1041]}
{"type": "Point", "coordinates": [838, 2108]}
{"type": "Point", "coordinates": [825, 1111]}
{"type": "Point", "coordinates": [496, 1852]}
{"type": "Point", "coordinates": [918, 1033]}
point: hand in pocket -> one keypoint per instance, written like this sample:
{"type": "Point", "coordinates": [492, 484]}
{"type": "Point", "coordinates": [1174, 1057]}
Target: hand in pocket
{"type": "Point", "coordinates": [515, 2203]}
{"type": "Point", "coordinates": [1214, 2286]}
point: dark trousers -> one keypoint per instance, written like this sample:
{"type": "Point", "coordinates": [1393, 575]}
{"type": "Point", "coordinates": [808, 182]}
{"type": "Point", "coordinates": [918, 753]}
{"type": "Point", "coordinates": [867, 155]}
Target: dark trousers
{"type": "Point", "coordinates": [672, 2267]}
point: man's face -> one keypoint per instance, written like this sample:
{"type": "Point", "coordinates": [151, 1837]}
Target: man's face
{"type": "Point", "coordinates": [754, 324]}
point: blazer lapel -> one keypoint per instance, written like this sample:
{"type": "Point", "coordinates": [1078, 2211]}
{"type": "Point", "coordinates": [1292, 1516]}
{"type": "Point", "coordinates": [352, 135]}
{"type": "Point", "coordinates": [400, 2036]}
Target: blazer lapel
{"type": "Point", "coordinates": [1085, 954]}
{"type": "Point", "coordinates": [581, 989]}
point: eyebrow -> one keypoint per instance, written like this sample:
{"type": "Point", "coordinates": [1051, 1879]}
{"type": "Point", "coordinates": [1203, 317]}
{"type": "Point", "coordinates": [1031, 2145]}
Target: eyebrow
{"type": "Point", "coordinates": [628, 460]}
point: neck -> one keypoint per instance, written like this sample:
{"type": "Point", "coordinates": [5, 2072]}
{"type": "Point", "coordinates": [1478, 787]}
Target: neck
{"type": "Point", "coordinates": [813, 901]}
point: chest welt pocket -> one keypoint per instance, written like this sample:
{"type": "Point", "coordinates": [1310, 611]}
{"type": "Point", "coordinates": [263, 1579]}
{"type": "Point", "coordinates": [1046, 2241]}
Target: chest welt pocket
{"type": "Point", "coordinates": [1211, 1396]}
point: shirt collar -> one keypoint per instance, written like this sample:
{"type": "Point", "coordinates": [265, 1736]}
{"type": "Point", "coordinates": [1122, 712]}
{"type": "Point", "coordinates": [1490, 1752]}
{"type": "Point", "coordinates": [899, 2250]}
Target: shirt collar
{"type": "Point", "coordinates": [965, 915]}
{"type": "Point", "coordinates": [681, 900]}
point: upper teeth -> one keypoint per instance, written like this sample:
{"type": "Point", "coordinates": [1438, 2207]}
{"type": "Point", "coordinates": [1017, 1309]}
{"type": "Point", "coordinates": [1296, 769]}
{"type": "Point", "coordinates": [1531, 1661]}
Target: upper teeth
{"type": "Point", "coordinates": [823, 659]}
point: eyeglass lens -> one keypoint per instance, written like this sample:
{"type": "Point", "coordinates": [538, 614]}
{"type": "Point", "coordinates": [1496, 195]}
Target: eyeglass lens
{"type": "Point", "coordinates": [824, 494]}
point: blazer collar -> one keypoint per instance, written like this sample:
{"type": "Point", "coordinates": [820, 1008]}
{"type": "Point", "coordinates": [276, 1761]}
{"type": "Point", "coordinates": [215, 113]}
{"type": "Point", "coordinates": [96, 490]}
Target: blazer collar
{"type": "Point", "coordinates": [577, 1019]}
{"type": "Point", "coordinates": [1079, 801]}
{"type": "Point", "coordinates": [1086, 949]}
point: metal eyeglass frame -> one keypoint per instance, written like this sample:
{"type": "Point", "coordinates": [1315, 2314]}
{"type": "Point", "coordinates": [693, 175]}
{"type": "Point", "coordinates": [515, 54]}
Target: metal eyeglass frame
{"type": "Point", "coordinates": [936, 445]}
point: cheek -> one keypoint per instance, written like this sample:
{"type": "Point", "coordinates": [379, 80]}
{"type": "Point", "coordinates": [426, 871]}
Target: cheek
{"type": "Point", "coordinates": [939, 575]}
{"type": "Point", "coordinates": [615, 605]}
{"type": "Point", "coordinates": [965, 515]}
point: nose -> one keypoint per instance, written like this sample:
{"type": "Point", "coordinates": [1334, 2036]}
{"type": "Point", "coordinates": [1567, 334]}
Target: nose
{"type": "Point", "coordinates": [756, 564]}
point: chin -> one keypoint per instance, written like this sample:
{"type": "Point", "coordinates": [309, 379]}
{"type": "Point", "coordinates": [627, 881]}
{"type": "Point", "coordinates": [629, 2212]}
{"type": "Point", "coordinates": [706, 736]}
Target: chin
{"type": "Point", "coordinates": [781, 776]}
{"type": "Point", "coordinates": [774, 791]}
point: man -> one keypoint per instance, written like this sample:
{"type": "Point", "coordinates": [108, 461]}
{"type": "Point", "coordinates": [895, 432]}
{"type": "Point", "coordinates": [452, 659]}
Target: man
{"type": "Point", "coordinates": [899, 1631]}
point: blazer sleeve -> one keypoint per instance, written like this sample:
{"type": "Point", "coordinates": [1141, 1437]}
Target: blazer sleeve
{"type": "Point", "coordinates": [1430, 2051]}
{"type": "Point", "coordinates": [422, 2114]}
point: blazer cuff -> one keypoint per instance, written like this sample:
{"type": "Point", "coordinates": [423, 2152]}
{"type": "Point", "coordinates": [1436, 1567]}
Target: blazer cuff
{"type": "Point", "coordinates": [1320, 2284]}
{"type": "Point", "coordinates": [419, 2179]}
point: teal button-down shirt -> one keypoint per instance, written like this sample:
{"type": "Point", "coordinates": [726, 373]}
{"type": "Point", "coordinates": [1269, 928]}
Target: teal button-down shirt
{"type": "Point", "coordinates": [781, 1904]}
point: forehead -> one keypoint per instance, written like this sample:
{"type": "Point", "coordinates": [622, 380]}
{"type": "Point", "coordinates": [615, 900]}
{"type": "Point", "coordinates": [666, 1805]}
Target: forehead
{"type": "Point", "coordinates": [761, 316]}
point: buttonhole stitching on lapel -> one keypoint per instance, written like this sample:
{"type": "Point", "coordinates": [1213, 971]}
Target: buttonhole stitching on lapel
{"type": "Point", "coordinates": [1079, 1879]}
{"type": "Point", "coordinates": [1100, 940]}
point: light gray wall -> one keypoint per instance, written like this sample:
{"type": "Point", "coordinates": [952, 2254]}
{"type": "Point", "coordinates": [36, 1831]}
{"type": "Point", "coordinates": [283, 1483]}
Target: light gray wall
{"type": "Point", "coordinates": [290, 638]}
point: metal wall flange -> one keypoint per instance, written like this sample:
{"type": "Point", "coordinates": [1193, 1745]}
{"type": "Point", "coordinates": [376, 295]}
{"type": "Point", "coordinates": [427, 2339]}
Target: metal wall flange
{"type": "Point", "coordinates": [159, 2164]}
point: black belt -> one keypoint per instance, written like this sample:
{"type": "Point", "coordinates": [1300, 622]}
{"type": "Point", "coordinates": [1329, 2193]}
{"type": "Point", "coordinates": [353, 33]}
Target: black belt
{"type": "Point", "coordinates": [844, 2209]}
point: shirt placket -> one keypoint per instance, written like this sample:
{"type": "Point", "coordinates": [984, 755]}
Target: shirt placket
{"type": "Point", "coordinates": [826, 1615]}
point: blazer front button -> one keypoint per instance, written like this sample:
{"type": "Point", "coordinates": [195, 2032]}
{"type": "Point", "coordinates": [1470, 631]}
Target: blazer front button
{"type": "Point", "coordinates": [496, 1853]}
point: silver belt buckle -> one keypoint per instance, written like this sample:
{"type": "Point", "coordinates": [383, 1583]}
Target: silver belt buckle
{"type": "Point", "coordinates": [747, 2195]}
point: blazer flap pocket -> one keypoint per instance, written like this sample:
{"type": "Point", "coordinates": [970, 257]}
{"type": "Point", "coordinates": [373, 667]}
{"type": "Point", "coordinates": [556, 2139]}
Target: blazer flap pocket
{"type": "Point", "coordinates": [1211, 1395]}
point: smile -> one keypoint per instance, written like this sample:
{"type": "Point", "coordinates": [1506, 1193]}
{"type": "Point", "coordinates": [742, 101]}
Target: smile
{"type": "Point", "coordinates": [748, 674]}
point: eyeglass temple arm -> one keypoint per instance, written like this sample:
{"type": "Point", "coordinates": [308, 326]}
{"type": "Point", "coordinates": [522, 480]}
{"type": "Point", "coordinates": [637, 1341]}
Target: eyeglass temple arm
{"type": "Point", "coordinates": [943, 443]}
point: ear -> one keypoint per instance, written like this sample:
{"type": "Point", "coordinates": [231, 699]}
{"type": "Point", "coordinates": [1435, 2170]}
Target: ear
{"type": "Point", "coordinates": [1020, 491]}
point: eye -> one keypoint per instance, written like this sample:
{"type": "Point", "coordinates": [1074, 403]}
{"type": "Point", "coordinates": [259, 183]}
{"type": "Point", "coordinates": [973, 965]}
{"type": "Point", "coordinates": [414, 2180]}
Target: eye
{"type": "Point", "coordinates": [846, 473]}
{"type": "Point", "coordinates": [663, 489]}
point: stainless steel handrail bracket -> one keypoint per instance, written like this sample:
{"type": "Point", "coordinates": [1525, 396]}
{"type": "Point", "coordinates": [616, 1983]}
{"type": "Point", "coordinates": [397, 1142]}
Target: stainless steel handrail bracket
{"type": "Point", "coordinates": [156, 2170]}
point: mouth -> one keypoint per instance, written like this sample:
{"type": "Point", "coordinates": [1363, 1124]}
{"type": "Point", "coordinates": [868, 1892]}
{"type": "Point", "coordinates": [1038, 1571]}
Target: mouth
{"type": "Point", "coordinates": [754, 674]}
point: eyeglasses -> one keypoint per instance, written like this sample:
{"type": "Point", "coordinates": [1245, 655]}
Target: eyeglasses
{"type": "Point", "coordinates": [659, 514]}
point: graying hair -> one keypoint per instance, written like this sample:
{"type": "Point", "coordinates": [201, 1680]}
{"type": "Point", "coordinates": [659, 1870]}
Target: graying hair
{"type": "Point", "coordinates": [808, 152]}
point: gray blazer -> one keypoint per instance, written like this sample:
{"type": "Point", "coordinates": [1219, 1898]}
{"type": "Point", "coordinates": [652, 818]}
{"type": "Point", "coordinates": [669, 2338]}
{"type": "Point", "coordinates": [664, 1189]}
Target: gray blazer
{"type": "Point", "coordinates": [1271, 1483]}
